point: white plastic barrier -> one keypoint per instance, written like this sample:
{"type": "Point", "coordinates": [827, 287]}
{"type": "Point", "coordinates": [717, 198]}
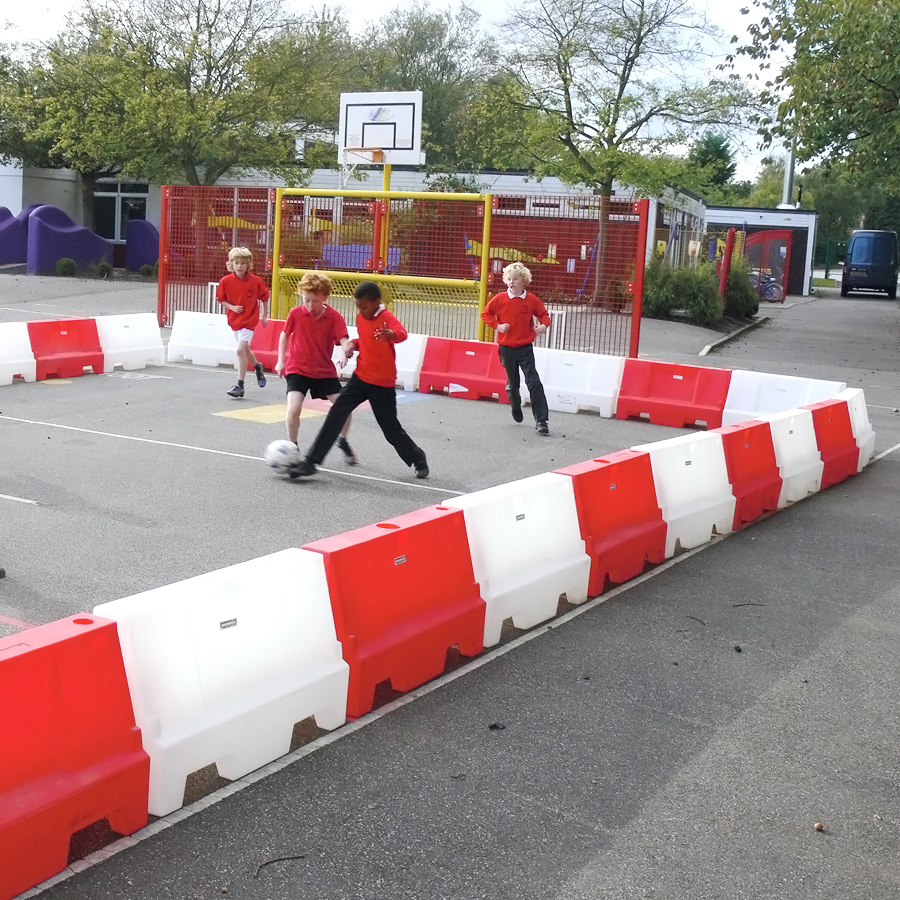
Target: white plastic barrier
{"type": "Point", "coordinates": [350, 366]}
{"type": "Point", "coordinates": [859, 422]}
{"type": "Point", "coordinates": [410, 354]}
{"type": "Point", "coordinates": [575, 381]}
{"type": "Point", "coordinates": [16, 355]}
{"type": "Point", "coordinates": [692, 487]}
{"type": "Point", "coordinates": [203, 338]}
{"type": "Point", "coordinates": [797, 454]}
{"type": "Point", "coordinates": [221, 666]}
{"type": "Point", "coordinates": [526, 549]}
{"type": "Point", "coordinates": [132, 341]}
{"type": "Point", "coordinates": [755, 394]}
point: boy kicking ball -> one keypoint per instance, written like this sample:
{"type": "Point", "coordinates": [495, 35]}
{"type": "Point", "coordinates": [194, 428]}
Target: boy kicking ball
{"type": "Point", "coordinates": [374, 380]}
{"type": "Point", "coordinates": [243, 295]}
{"type": "Point", "coordinates": [312, 330]}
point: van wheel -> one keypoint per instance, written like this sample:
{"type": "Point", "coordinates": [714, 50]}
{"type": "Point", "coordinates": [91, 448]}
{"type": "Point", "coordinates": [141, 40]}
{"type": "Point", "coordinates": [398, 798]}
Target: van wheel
{"type": "Point", "coordinates": [892, 292]}
{"type": "Point", "coordinates": [843, 290]}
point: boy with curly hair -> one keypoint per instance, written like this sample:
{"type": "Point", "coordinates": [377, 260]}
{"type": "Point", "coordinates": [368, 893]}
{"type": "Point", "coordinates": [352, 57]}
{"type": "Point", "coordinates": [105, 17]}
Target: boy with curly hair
{"type": "Point", "coordinates": [512, 314]}
{"type": "Point", "coordinates": [244, 295]}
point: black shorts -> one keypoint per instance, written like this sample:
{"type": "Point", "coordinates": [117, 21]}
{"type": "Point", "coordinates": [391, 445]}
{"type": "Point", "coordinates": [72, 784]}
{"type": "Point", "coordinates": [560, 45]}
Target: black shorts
{"type": "Point", "coordinates": [317, 388]}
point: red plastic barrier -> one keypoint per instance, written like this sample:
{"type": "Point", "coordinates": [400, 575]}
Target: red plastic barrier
{"type": "Point", "coordinates": [70, 753]}
{"type": "Point", "coordinates": [834, 437]}
{"type": "Point", "coordinates": [621, 523]}
{"type": "Point", "coordinates": [671, 394]}
{"type": "Point", "coordinates": [752, 469]}
{"type": "Point", "coordinates": [264, 342]}
{"type": "Point", "coordinates": [468, 369]}
{"type": "Point", "coordinates": [64, 348]}
{"type": "Point", "coordinates": [403, 592]}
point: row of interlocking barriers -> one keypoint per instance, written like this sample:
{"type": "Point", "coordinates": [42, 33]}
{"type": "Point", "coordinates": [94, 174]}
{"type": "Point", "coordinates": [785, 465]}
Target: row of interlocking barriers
{"type": "Point", "coordinates": [106, 714]}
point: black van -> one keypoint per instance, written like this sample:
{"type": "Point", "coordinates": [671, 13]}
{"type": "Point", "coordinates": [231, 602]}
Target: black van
{"type": "Point", "coordinates": [871, 263]}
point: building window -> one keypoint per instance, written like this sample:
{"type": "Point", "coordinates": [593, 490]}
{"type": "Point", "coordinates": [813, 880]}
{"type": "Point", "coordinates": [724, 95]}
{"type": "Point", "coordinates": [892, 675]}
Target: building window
{"type": "Point", "coordinates": [115, 204]}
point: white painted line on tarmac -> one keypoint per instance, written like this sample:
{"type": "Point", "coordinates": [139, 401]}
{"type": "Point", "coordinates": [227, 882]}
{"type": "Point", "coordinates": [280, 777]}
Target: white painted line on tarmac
{"type": "Point", "coordinates": [16, 499]}
{"type": "Point", "coordinates": [142, 440]}
{"type": "Point", "coordinates": [887, 452]}
{"type": "Point", "coordinates": [888, 408]}
{"type": "Point", "coordinates": [37, 312]}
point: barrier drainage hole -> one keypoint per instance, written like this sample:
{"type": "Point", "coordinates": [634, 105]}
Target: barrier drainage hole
{"type": "Point", "coordinates": [82, 621]}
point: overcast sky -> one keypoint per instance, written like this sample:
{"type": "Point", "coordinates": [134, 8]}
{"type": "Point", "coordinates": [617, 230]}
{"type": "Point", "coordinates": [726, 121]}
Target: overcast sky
{"type": "Point", "coordinates": [31, 21]}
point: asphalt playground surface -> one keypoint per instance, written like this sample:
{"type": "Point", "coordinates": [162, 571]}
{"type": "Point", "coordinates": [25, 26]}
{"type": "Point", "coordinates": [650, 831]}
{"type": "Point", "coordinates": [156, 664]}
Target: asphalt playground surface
{"type": "Point", "coordinates": [677, 738]}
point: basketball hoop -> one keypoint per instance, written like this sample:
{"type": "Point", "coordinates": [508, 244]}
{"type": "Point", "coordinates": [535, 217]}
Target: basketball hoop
{"type": "Point", "coordinates": [351, 157]}
{"type": "Point", "coordinates": [361, 155]}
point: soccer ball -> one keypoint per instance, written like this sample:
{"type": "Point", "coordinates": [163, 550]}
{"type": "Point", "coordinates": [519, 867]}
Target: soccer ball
{"type": "Point", "coordinates": [281, 455]}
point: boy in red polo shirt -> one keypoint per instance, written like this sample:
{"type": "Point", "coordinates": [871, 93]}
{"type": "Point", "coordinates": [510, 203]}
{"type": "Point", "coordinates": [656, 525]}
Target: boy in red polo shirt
{"type": "Point", "coordinates": [243, 294]}
{"type": "Point", "coordinates": [512, 313]}
{"type": "Point", "coordinates": [312, 330]}
{"type": "Point", "coordinates": [374, 380]}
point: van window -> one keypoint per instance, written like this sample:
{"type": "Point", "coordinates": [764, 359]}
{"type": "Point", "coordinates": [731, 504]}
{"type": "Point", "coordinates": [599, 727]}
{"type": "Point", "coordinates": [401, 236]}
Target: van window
{"type": "Point", "coordinates": [872, 249]}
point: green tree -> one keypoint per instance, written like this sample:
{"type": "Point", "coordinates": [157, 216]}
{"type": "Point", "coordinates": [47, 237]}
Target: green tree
{"type": "Point", "coordinates": [168, 90]}
{"type": "Point", "coordinates": [614, 85]}
{"type": "Point", "coordinates": [714, 153]}
{"type": "Point", "coordinates": [442, 53]}
{"type": "Point", "coordinates": [837, 96]}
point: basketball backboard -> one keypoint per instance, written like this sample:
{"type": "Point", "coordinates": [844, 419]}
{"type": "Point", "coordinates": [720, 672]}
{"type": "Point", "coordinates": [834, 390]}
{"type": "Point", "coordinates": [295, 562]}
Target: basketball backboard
{"type": "Point", "coordinates": [390, 122]}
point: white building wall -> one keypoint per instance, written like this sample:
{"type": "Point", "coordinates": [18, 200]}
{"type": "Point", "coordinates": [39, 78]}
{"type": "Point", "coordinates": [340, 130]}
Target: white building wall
{"type": "Point", "coordinates": [58, 187]}
{"type": "Point", "coordinates": [11, 188]}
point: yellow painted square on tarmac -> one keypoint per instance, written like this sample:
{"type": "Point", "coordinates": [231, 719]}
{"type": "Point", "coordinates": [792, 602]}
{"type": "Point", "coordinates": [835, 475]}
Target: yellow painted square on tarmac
{"type": "Point", "coordinates": [268, 415]}
{"type": "Point", "coordinates": [55, 381]}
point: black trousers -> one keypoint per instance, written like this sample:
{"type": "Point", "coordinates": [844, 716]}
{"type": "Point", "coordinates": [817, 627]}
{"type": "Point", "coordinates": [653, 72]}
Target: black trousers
{"type": "Point", "coordinates": [515, 358]}
{"type": "Point", "coordinates": [383, 401]}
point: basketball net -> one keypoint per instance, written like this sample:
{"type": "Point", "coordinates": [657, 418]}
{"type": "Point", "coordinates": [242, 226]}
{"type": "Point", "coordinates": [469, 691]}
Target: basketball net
{"type": "Point", "coordinates": [353, 157]}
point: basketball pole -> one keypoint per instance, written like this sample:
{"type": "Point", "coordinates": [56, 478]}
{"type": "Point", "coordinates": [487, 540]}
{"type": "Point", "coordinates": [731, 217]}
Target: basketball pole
{"type": "Point", "coordinates": [386, 225]}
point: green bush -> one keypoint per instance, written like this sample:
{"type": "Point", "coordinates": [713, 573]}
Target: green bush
{"type": "Point", "coordinates": [693, 290]}
{"type": "Point", "coordinates": [104, 269]}
{"type": "Point", "coordinates": [146, 270]}
{"type": "Point", "coordinates": [66, 267]}
{"type": "Point", "coordinates": [741, 298]}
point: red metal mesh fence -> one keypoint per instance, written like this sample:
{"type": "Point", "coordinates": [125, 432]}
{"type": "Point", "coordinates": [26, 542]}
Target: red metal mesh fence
{"type": "Point", "coordinates": [582, 253]}
{"type": "Point", "coordinates": [199, 225]}
{"type": "Point", "coordinates": [585, 255]}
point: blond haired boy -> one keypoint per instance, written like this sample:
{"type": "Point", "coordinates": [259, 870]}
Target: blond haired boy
{"type": "Point", "coordinates": [244, 295]}
{"type": "Point", "coordinates": [512, 313]}
{"type": "Point", "coordinates": [312, 330]}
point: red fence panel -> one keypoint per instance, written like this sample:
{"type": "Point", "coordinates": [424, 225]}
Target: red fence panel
{"type": "Point", "coordinates": [834, 437]}
{"type": "Point", "coordinates": [403, 592]}
{"type": "Point", "coordinates": [65, 347]}
{"type": "Point", "coordinates": [70, 752]}
{"type": "Point", "coordinates": [467, 369]}
{"type": "Point", "coordinates": [671, 394]}
{"type": "Point", "coordinates": [619, 516]}
{"type": "Point", "coordinates": [752, 469]}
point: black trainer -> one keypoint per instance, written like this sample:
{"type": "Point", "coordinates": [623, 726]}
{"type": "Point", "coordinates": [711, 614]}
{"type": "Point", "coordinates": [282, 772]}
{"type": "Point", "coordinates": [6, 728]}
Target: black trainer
{"type": "Point", "coordinates": [347, 450]}
{"type": "Point", "coordinates": [422, 469]}
{"type": "Point", "coordinates": [542, 428]}
{"type": "Point", "coordinates": [302, 469]}
{"type": "Point", "coordinates": [237, 391]}
{"type": "Point", "coordinates": [260, 374]}
{"type": "Point", "coordinates": [516, 412]}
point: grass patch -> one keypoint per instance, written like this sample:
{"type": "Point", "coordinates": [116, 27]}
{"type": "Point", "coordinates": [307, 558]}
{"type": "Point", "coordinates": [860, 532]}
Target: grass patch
{"type": "Point", "coordinates": [824, 282]}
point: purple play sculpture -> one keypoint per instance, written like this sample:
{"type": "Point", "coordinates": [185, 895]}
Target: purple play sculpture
{"type": "Point", "coordinates": [25, 212]}
{"type": "Point", "coordinates": [13, 239]}
{"type": "Point", "coordinates": [52, 235]}
{"type": "Point", "coordinates": [141, 244]}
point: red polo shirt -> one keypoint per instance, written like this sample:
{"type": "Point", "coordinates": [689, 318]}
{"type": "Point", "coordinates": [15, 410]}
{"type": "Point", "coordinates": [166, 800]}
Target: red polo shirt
{"type": "Point", "coordinates": [247, 292]}
{"type": "Point", "coordinates": [518, 313]}
{"type": "Point", "coordinates": [311, 342]}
